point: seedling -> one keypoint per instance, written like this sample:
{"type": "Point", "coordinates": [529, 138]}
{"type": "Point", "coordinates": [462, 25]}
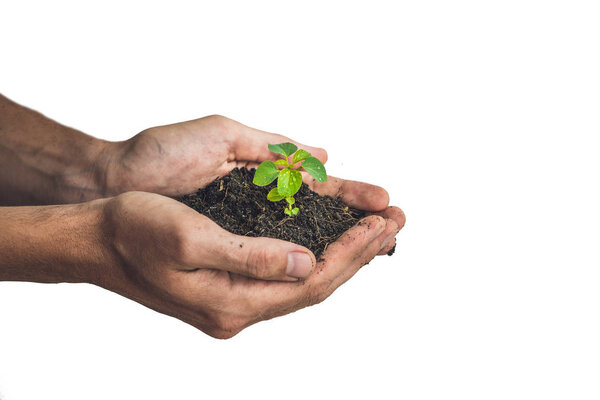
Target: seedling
{"type": "Point", "coordinates": [289, 179]}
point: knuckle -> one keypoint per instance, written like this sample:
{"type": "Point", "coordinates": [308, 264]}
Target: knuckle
{"type": "Point", "coordinates": [261, 263]}
{"type": "Point", "coordinates": [221, 334]}
{"type": "Point", "coordinates": [313, 298]}
{"type": "Point", "coordinates": [217, 119]}
{"type": "Point", "coordinates": [119, 208]}
{"type": "Point", "coordinates": [319, 292]}
{"type": "Point", "coordinates": [120, 202]}
{"type": "Point", "coordinates": [211, 330]}
{"type": "Point", "coordinates": [226, 318]}
{"type": "Point", "coordinates": [226, 326]}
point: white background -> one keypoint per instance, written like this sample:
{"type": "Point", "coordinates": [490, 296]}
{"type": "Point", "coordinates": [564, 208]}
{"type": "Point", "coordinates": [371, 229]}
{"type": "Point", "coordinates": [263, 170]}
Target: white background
{"type": "Point", "coordinates": [479, 117]}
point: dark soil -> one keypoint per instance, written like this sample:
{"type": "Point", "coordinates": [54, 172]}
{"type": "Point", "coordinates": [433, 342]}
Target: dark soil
{"type": "Point", "coordinates": [241, 207]}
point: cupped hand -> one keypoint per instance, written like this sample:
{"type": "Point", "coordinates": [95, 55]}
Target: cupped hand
{"type": "Point", "coordinates": [178, 262]}
{"type": "Point", "coordinates": [177, 159]}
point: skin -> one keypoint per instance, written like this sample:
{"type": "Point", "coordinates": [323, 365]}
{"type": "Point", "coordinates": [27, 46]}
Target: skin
{"type": "Point", "coordinates": [117, 227]}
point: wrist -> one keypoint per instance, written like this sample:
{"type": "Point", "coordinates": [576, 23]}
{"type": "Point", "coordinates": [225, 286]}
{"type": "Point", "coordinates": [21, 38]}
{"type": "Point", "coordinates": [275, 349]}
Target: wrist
{"type": "Point", "coordinates": [96, 177]}
{"type": "Point", "coordinates": [44, 162]}
{"type": "Point", "coordinates": [53, 244]}
{"type": "Point", "coordinates": [108, 172]}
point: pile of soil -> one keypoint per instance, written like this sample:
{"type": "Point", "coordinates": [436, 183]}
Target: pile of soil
{"type": "Point", "coordinates": [241, 207]}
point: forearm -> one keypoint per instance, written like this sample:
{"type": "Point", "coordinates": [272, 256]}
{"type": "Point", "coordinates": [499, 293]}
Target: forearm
{"type": "Point", "coordinates": [43, 162]}
{"type": "Point", "coordinates": [53, 243]}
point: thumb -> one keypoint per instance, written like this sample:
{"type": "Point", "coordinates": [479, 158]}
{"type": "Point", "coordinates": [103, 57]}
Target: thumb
{"type": "Point", "coordinates": [258, 257]}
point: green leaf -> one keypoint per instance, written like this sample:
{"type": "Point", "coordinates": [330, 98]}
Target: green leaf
{"type": "Point", "coordinates": [288, 212]}
{"type": "Point", "coordinates": [282, 162]}
{"type": "Point", "coordinates": [285, 149]}
{"type": "Point", "coordinates": [289, 182]}
{"type": "Point", "coordinates": [290, 200]}
{"type": "Point", "coordinates": [274, 195]}
{"type": "Point", "coordinates": [295, 211]}
{"type": "Point", "coordinates": [314, 167]}
{"type": "Point", "coordinates": [266, 173]}
{"type": "Point", "coordinates": [300, 155]}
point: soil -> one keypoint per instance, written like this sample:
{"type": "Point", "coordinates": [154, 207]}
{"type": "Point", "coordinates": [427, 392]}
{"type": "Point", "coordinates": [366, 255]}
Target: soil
{"type": "Point", "coordinates": [241, 207]}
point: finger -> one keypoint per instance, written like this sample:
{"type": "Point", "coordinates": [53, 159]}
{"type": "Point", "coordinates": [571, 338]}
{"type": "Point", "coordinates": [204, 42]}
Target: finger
{"type": "Point", "coordinates": [351, 251]}
{"type": "Point", "coordinates": [254, 257]}
{"type": "Point", "coordinates": [395, 214]}
{"type": "Point", "coordinates": [387, 244]}
{"type": "Point", "coordinates": [341, 260]}
{"type": "Point", "coordinates": [271, 300]}
{"type": "Point", "coordinates": [360, 195]}
{"type": "Point", "coordinates": [252, 145]}
{"type": "Point", "coordinates": [388, 248]}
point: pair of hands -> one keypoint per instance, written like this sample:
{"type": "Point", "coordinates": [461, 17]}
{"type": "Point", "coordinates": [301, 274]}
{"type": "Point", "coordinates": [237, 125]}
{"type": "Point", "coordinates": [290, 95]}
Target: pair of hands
{"type": "Point", "coordinates": [179, 262]}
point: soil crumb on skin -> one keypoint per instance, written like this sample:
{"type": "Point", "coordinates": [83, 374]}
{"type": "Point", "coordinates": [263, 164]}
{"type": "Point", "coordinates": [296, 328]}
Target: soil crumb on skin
{"type": "Point", "coordinates": [392, 251]}
{"type": "Point", "coordinates": [241, 207]}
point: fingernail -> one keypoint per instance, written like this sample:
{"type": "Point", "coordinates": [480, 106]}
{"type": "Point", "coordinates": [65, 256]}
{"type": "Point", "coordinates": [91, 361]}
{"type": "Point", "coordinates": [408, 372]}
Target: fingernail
{"type": "Point", "coordinates": [299, 265]}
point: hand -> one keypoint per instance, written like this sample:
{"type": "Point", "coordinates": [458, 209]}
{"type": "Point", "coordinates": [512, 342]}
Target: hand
{"type": "Point", "coordinates": [178, 262]}
{"type": "Point", "coordinates": [178, 159]}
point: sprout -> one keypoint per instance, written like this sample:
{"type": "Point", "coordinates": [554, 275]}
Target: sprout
{"type": "Point", "coordinates": [289, 179]}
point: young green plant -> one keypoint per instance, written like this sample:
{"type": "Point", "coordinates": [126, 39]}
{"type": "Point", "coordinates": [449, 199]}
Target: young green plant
{"type": "Point", "coordinates": [289, 179]}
